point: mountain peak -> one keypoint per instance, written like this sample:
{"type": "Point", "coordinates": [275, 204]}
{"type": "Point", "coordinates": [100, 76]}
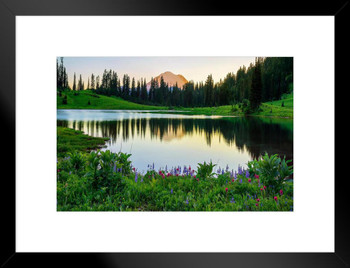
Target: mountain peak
{"type": "Point", "coordinates": [171, 79]}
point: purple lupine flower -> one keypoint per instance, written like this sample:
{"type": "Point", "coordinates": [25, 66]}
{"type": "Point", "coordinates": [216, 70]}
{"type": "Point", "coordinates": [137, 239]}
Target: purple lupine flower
{"type": "Point", "coordinates": [239, 170]}
{"type": "Point", "coordinates": [115, 167]}
{"type": "Point", "coordinates": [135, 176]}
{"type": "Point", "coordinates": [222, 172]}
{"type": "Point", "coordinates": [226, 168]}
{"type": "Point", "coordinates": [247, 174]}
{"type": "Point", "coordinates": [171, 191]}
{"type": "Point", "coordinates": [187, 201]}
{"type": "Point", "coordinates": [240, 181]}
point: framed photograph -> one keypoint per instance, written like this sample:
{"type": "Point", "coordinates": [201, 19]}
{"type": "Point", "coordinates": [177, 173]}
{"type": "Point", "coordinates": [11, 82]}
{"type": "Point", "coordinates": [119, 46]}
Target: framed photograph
{"type": "Point", "coordinates": [156, 135]}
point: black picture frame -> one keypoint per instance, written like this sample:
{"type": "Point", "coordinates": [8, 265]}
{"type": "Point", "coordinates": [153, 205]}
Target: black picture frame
{"type": "Point", "coordinates": [9, 9]}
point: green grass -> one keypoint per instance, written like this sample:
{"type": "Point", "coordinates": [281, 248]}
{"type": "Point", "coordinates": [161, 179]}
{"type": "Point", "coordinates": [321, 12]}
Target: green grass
{"type": "Point", "coordinates": [80, 101]}
{"type": "Point", "coordinates": [101, 102]}
{"type": "Point", "coordinates": [70, 140]}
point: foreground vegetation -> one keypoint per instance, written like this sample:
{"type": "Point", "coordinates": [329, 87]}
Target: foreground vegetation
{"type": "Point", "coordinates": [104, 181]}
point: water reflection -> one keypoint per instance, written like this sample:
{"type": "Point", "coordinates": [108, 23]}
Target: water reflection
{"type": "Point", "coordinates": [252, 136]}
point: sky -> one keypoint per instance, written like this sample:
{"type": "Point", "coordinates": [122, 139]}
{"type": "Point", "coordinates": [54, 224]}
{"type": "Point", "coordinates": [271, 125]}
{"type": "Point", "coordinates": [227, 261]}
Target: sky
{"type": "Point", "coordinates": [192, 68]}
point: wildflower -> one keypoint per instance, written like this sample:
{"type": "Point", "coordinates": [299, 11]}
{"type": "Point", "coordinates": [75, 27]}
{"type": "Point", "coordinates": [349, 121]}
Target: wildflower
{"type": "Point", "coordinates": [240, 171]}
{"type": "Point", "coordinates": [275, 198]}
{"type": "Point", "coordinates": [187, 201]}
{"type": "Point", "coordinates": [257, 204]}
{"type": "Point", "coordinates": [171, 191]}
{"type": "Point", "coordinates": [240, 181]}
{"type": "Point", "coordinates": [58, 170]}
{"type": "Point", "coordinates": [264, 187]}
{"type": "Point", "coordinates": [256, 176]}
{"type": "Point", "coordinates": [261, 189]}
{"type": "Point", "coordinates": [141, 179]}
{"type": "Point", "coordinates": [197, 179]}
{"type": "Point", "coordinates": [189, 167]}
{"type": "Point", "coordinates": [226, 189]}
{"type": "Point", "coordinates": [194, 176]}
{"type": "Point", "coordinates": [249, 180]}
{"type": "Point", "coordinates": [258, 200]}
{"type": "Point", "coordinates": [233, 200]}
{"type": "Point", "coordinates": [135, 176]}
{"type": "Point", "coordinates": [281, 192]}
{"type": "Point", "coordinates": [233, 180]}
{"type": "Point", "coordinates": [222, 172]}
{"type": "Point", "coordinates": [115, 167]}
{"type": "Point", "coordinates": [247, 174]}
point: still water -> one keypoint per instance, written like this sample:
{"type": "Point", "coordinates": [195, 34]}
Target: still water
{"type": "Point", "coordinates": [177, 140]}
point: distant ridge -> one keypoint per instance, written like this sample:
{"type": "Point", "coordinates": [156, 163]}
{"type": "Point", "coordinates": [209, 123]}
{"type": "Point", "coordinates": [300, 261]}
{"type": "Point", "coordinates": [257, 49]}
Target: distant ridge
{"type": "Point", "coordinates": [171, 79]}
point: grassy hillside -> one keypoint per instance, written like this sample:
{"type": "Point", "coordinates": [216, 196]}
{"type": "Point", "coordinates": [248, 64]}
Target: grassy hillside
{"type": "Point", "coordinates": [82, 100]}
{"type": "Point", "coordinates": [270, 109]}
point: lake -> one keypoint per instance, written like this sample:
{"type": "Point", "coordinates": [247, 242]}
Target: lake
{"type": "Point", "coordinates": [172, 139]}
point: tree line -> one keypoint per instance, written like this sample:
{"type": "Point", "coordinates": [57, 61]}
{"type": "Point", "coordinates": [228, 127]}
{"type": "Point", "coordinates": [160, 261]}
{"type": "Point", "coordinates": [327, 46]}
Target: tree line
{"type": "Point", "coordinates": [265, 80]}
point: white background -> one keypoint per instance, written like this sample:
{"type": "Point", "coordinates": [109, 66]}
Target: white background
{"type": "Point", "coordinates": [39, 227]}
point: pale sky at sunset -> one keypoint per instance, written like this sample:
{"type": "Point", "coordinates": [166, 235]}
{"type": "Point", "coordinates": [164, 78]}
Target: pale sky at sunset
{"type": "Point", "coordinates": [192, 68]}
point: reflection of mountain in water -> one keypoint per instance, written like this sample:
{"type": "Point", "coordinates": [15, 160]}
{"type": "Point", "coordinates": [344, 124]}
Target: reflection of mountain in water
{"type": "Point", "coordinates": [251, 134]}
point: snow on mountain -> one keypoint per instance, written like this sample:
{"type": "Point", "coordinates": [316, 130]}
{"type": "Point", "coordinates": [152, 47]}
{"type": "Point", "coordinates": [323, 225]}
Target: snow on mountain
{"type": "Point", "coordinates": [170, 79]}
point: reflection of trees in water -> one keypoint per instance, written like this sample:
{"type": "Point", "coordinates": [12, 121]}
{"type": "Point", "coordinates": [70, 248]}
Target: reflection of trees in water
{"type": "Point", "coordinates": [252, 134]}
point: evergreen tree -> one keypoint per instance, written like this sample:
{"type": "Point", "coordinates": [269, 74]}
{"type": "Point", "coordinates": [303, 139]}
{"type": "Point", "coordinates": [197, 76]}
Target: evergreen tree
{"type": "Point", "coordinates": [74, 83]}
{"type": "Point", "coordinates": [209, 91]}
{"type": "Point", "coordinates": [255, 94]}
{"type": "Point", "coordinates": [97, 82]}
{"type": "Point", "coordinates": [133, 88]}
{"type": "Point", "coordinates": [92, 81]}
{"type": "Point", "coordinates": [138, 90]}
